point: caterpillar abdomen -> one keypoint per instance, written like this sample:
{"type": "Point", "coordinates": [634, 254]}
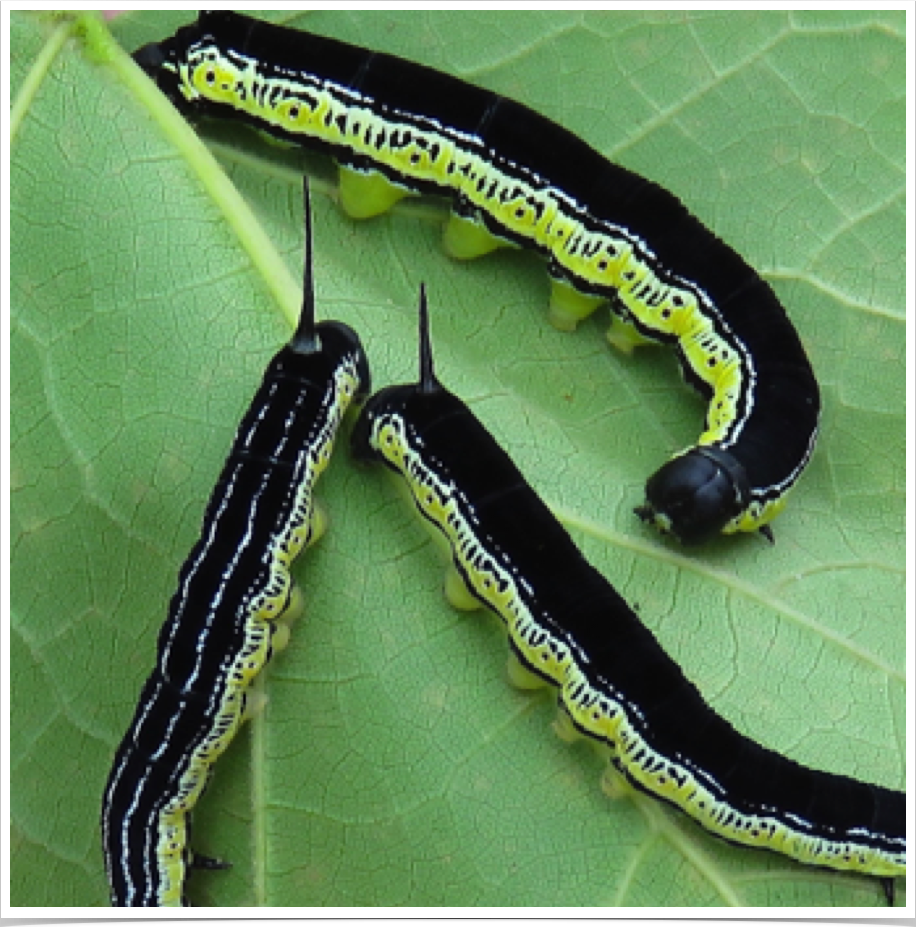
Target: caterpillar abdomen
{"type": "Point", "coordinates": [223, 621]}
{"type": "Point", "coordinates": [616, 684]}
{"type": "Point", "coordinates": [153, 784]}
{"type": "Point", "coordinates": [515, 176]}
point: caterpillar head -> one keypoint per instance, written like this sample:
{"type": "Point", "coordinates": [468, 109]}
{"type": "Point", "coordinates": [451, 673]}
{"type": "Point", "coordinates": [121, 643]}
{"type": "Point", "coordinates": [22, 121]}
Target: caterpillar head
{"type": "Point", "coordinates": [397, 414]}
{"type": "Point", "coordinates": [378, 433]}
{"type": "Point", "coordinates": [696, 495]}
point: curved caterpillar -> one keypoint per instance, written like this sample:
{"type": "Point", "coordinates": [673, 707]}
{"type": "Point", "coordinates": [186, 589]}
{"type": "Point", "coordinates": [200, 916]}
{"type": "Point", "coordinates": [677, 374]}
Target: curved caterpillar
{"type": "Point", "coordinates": [568, 626]}
{"type": "Point", "coordinates": [514, 177]}
{"type": "Point", "coordinates": [224, 620]}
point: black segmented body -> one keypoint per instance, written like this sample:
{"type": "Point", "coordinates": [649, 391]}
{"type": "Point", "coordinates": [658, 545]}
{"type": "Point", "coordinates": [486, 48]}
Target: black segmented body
{"type": "Point", "coordinates": [222, 620]}
{"type": "Point", "coordinates": [516, 176]}
{"type": "Point", "coordinates": [570, 627]}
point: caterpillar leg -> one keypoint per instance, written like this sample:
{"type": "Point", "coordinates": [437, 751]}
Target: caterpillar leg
{"type": "Point", "coordinates": [614, 784]}
{"type": "Point", "coordinates": [295, 606]}
{"type": "Point", "coordinates": [306, 534]}
{"type": "Point", "coordinates": [280, 632]}
{"type": "Point", "coordinates": [890, 891]}
{"type": "Point", "coordinates": [279, 637]}
{"type": "Point", "coordinates": [364, 194]}
{"type": "Point", "coordinates": [318, 523]}
{"type": "Point", "coordinates": [568, 307]}
{"type": "Point", "coordinates": [520, 675]}
{"type": "Point", "coordinates": [255, 703]}
{"type": "Point", "coordinates": [624, 336]}
{"type": "Point", "coordinates": [281, 625]}
{"type": "Point", "coordinates": [198, 861]}
{"type": "Point", "coordinates": [254, 699]}
{"type": "Point", "coordinates": [465, 239]}
{"type": "Point", "coordinates": [457, 592]}
{"type": "Point", "coordinates": [564, 728]}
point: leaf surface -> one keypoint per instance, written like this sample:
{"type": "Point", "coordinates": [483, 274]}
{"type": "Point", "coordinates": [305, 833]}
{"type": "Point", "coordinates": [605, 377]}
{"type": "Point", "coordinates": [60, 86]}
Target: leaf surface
{"type": "Point", "coordinates": [393, 765]}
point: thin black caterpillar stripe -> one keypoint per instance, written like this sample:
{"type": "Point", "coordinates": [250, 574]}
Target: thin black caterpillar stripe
{"type": "Point", "coordinates": [223, 622]}
{"type": "Point", "coordinates": [515, 177]}
{"type": "Point", "coordinates": [567, 625]}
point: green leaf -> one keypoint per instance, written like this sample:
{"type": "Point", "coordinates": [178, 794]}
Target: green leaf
{"type": "Point", "coordinates": [393, 765]}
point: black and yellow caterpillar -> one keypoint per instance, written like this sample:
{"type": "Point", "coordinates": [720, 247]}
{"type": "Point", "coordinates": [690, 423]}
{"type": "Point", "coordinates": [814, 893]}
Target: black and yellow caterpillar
{"type": "Point", "coordinates": [515, 177]}
{"type": "Point", "coordinates": [224, 620]}
{"type": "Point", "coordinates": [569, 627]}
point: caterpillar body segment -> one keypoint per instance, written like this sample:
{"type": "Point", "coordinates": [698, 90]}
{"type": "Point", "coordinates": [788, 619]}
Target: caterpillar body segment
{"type": "Point", "coordinates": [235, 596]}
{"type": "Point", "coordinates": [516, 178]}
{"type": "Point", "coordinates": [567, 625]}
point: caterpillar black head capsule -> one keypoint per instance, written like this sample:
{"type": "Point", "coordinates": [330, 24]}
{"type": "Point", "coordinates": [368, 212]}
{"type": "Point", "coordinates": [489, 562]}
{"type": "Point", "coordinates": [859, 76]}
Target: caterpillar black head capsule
{"type": "Point", "coordinates": [151, 58]}
{"type": "Point", "coordinates": [695, 495]}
